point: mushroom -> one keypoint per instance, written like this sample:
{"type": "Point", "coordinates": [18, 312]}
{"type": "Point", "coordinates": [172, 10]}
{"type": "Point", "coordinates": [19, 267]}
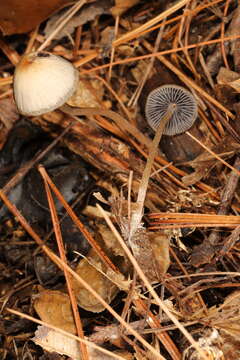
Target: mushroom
{"type": "Point", "coordinates": [170, 110]}
{"type": "Point", "coordinates": [185, 109]}
{"type": "Point", "coordinates": [42, 82]}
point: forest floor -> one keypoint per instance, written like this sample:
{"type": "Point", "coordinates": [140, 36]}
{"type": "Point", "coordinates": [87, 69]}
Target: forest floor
{"type": "Point", "coordinates": [113, 245]}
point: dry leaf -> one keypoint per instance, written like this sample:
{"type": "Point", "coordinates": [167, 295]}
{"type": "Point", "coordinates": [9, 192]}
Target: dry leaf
{"type": "Point", "coordinates": [160, 245]}
{"type": "Point", "coordinates": [230, 78]}
{"type": "Point", "coordinates": [14, 18]}
{"type": "Point", "coordinates": [89, 93]}
{"type": "Point", "coordinates": [226, 75]}
{"type": "Point", "coordinates": [118, 279]}
{"type": "Point", "coordinates": [110, 240]}
{"type": "Point", "coordinates": [203, 163]}
{"type": "Point", "coordinates": [226, 317]}
{"type": "Point", "coordinates": [93, 212]}
{"type": "Point", "coordinates": [88, 13]}
{"type": "Point", "coordinates": [222, 341]}
{"type": "Point", "coordinates": [149, 249]}
{"type": "Point", "coordinates": [121, 6]}
{"type": "Point", "coordinates": [211, 346]}
{"type": "Point", "coordinates": [107, 37]}
{"type": "Point", "coordinates": [8, 112]}
{"type": "Point", "coordinates": [235, 85]}
{"type": "Point", "coordinates": [99, 282]}
{"type": "Point", "coordinates": [54, 308]}
{"type": "Point", "coordinates": [144, 254]}
{"type": "Point", "coordinates": [139, 70]}
{"type": "Point", "coordinates": [54, 341]}
{"type": "Point", "coordinates": [8, 116]}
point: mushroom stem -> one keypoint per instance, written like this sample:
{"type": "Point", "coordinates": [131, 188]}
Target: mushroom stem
{"type": "Point", "coordinates": [137, 214]}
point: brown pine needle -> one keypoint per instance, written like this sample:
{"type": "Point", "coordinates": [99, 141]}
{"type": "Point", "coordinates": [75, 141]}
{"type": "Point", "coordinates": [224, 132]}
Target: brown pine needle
{"type": "Point", "coordinates": [183, 220]}
{"type": "Point", "coordinates": [72, 297]}
{"type": "Point", "coordinates": [151, 22]}
{"type": "Point", "coordinates": [141, 32]}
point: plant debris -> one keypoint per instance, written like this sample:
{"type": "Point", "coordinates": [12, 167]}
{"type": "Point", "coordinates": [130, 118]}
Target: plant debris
{"type": "Point", "coordinates": [117, 243]}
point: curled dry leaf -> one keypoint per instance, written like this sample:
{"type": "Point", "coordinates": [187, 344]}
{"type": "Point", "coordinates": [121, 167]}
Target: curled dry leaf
{"type": "Point", "coordinates": [92, 270]}
{"type": "Point", "coordinates": [227, 77]}
{"type": "Point", "coordinates": [54, 308]}
{"type": "Point", "coordinates": [53, 341]}
{"type": "Point", "coordinates": [221, 342]}
{"type": "Point", "coordinates": [14, 18]}
{"type": "Point", "coordinates": [210, 344]}
{"type": "Point", "coordinates": [226, 317]}
{"type": "Point", "coordinates": [89, 93]}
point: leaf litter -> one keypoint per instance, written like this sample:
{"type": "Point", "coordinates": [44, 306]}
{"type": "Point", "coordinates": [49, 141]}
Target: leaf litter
{"type": "Point", "coordinates": [142, 190]}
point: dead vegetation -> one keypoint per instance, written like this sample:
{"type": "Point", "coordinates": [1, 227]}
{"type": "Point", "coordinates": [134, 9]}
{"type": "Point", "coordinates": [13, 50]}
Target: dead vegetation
{"type": "Point", "coordinates": [119, 248]}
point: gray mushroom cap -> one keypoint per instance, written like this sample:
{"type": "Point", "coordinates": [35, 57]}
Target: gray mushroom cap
{"type": "Point", "coordinates": [185, 112]}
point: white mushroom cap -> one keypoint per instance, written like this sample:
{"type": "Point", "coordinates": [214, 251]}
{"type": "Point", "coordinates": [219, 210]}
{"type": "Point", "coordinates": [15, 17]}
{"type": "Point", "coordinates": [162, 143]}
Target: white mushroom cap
{"type": "Point", "coordinates": [43, 82]}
